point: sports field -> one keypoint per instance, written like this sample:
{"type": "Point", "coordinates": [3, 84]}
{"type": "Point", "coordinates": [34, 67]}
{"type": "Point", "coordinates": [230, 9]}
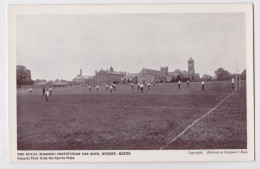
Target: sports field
{"type": "Point", "coordinates": [161, 118]}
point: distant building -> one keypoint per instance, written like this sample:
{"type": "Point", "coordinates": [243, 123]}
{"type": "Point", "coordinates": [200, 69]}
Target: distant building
{"type": "Point", "coordinates": [175, 76]}
{"type": "Point", "coordinates": [82, 79]}
{"type": "Point", "coordinates": [150, 75]}
{"type": "Point", "coordinates": [130, 78]}
{"type": "Point", "coordinates": [191, 69]}
{"type": "Point", "coordinates": [178, 75]}
{"type": "Point", "coordinates": [109, 76]}
{"type": "Point", "coordinates": [52, 84]}
{"type": "Point", "coordinates": [43, 84]}
{"type": "Point", "coordinates": [164, 70]}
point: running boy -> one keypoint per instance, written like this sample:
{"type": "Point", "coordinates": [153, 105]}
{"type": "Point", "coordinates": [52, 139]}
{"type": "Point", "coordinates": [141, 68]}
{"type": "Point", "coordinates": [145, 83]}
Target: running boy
{"type": "Point", "coordinates": [142, 88]}
{"type": "Point", "coordinates": [202, 83]}
{"type": "Point", "coordinates": [47, 95]}
{"type": "Point", "coordinates": [233, 83]}
{"type": "Point", "coordinates": [97, 87]}
{"type": "Point", "coordinates": [111, 88]}
{"type": "Point", "coordinates": [114, 86]}
{"type": "Point", "coordinates": [148, 86]}
{"type": "Point", "coordinates": [89, 88]}
{"type": "Point", "coordinates": [179, 84]}
{"type": "Point", "coordinates": [188, 83]}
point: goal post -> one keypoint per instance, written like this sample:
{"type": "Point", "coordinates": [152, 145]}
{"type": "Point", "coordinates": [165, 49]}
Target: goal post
{"type": "Point", "coordinates": [238, 79]}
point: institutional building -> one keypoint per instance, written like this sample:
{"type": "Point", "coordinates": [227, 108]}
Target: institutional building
{"type": "Point", "coordinates": [150, 75]}
{"type": "Point", "coordinates": [145, 75]}
{"type": "Point", "coordinates": [163, 75]}
{"type": "Point", "coordinates": [109, 76]}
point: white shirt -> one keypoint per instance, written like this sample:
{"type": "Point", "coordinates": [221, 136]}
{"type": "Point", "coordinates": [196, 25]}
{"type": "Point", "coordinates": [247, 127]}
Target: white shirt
{"type": "Point", "coordinates": [47, 93]}
{"type": "Point", "coordinates": [141, 85]}
{"type": "Point", "coordinates": [111, 87]}
{"type": "Point", "coordinates": [202, 82]}
{"type": "Point", "coordinates": [179, 82]}
{"type": "Point", "coordinates": [233, 80]}
{"type": "Point", "coordinates": [148, 84]}
{"type": "Point", "coordinates": [97, 86]}
{"type": "Point", "coordinates": [106, 85]}
{"type": "Point", "coordinates": [89, 86]}
{"type": "Point", "coordinates": [30, 89]}
{"type": "Point", "coordinates": [50, 89]}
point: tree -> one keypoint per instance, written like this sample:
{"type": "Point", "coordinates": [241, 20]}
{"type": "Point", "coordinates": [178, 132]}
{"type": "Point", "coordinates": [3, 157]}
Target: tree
{"type": "Point", "coordinates": [37, 81]}
{"type": "Point", "coordinates": [23, 76]}
{"type": "Point", "coordinates": [207, 77]}
{"type": "Point", "coordinates": [222, 74]}
{"type": "Point", "coordinates": [62, 80]}
{"type": "Point", "coordinates": [243, 75]}
{"type": "Point", "coordinates": [57, 80]}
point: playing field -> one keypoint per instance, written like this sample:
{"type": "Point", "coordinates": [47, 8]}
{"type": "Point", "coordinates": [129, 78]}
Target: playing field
{"type": "Point", "coordinates": [161, 118]}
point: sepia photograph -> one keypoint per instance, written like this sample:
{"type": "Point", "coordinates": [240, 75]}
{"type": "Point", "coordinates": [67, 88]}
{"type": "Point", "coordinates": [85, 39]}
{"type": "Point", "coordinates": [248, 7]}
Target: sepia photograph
{"type": "Point", "coordinates": [133, 81]}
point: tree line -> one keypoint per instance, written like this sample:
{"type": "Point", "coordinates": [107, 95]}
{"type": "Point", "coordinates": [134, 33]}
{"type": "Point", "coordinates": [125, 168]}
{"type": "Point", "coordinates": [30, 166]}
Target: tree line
{"type": "Point", "coordinates": [24, 77]}
{"type": "Point", "coordinates": [222, 74]}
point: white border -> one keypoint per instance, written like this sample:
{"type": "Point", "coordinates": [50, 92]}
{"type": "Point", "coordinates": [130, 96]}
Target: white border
{"type": "Point", "coordinates": [75, 9]}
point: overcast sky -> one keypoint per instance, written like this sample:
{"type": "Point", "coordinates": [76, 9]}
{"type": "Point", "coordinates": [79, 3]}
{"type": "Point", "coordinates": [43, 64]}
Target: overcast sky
{"type": "Point", "coordinates": [57, 46]}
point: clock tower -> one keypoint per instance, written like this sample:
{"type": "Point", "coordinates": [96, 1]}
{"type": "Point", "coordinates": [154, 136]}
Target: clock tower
{"type": "Point", "coordinates": [191, 69]}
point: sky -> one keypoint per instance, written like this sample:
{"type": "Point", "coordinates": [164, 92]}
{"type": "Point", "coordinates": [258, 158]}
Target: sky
{"type": "Point", "coordinates": [58, 46]}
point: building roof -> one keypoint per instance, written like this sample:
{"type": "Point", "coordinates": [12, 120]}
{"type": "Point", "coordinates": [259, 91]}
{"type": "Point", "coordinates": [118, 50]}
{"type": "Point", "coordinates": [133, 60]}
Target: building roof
{"type": "Point", "coordinates": [42, 83]}
{"type": "Point", "coordinates": [59, 83]}
{"type": "Point", "coordinates": [102, 72]}
{"type": "Point", "coordinates": [83, 77]}
{"type": "Point", "coordinates": [153, 72]}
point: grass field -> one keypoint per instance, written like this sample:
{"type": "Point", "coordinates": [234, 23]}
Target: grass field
{"type": "Point", "coordinates": [160, 118]}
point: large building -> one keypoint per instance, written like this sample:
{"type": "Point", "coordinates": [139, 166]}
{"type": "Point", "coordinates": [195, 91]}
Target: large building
{"type": "Point", "coordinates": [163, 75]}
{"type": "Point", "coordinates": [150, 75]}
{"type": "Point", "coordinates": [109, 76]}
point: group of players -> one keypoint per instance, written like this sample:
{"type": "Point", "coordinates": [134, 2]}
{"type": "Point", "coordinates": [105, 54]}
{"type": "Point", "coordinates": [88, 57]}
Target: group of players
{"type": "Point", "coordinates": [45, 92]}
{"type": "Point", "coordinates": [111, 87]}
{"type": "Point", "coordinates": [140, 86]}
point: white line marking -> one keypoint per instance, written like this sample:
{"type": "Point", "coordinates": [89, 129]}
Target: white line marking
{"type": "Point", "coordinates": [149, 107]}
{"type": "Point", "coordinates": [197, 120]}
